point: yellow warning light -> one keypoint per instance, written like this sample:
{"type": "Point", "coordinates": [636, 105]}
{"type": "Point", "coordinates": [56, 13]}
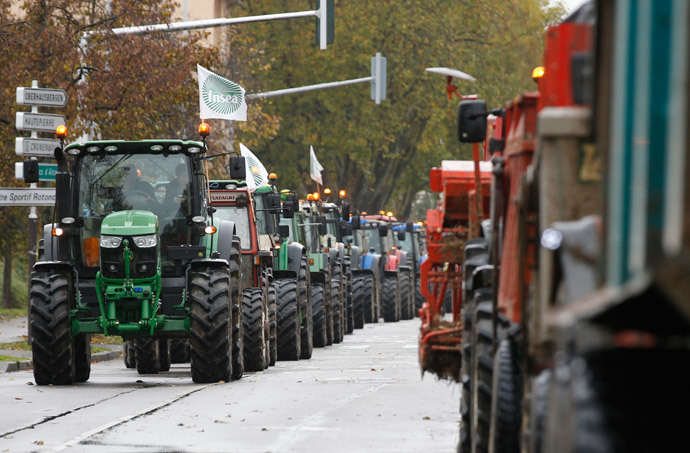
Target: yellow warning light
{"type": "Point", "coordinates": [61, 131]}
{"type": "Point", "coordinates": [389, 213]}
{"type": "Point", "coordinates": [210, 229]}
{"type": "Point", "coordinates": [382, 212]}
{"type": "Point", "coordinates": [364, 212]}
{"type": "Point", "coordinates": [316, 196]}
{"type": "Point", "coordinates": [538, 73]}
{"type": "Point", "coordinates": [272, 176]}
{"type": "Point", "coordinates": [204, 129]}
{"type": "Point", "coordinates": [342, 193]}
{"type": "Point", "coordinates": [310, 196]}
{"type": "Point", "coordinates": [327, 191]}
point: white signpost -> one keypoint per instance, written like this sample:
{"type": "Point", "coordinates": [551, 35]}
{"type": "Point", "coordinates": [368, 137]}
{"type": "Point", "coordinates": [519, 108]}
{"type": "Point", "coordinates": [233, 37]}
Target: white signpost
{"type": "Point", "coordinates": [39, 122]}
{"type": "Point", "coordinates": [36, 147]}
{"type": "Point", "coordinates": [27, 196]}
{"type": "Point", "coordinates": [41, 97]}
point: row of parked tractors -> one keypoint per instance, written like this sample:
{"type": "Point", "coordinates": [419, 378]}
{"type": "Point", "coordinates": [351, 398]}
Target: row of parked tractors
{"type": "Point", "coordinates": [564, 245]}
{"type": "Point", "coordinates": [226, 275]}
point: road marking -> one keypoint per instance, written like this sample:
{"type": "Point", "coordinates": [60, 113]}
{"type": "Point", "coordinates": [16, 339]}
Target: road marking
{"type": "Point", "coordinates": [126, 418]}
{"type": "Point", "coordinates": [355, 346]}
{"type": "Point", "coordinates": [410, 346]}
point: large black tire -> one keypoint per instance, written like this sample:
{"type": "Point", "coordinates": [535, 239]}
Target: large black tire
{"type": "Point", "coordinates": [538, 411]}
{"type": "Point", "coordinates": [319, 310]}
{"type": "Point", "coordinates": [369, 290]}
{"type": "Point", "coordinates": [405, 295]}
{"type": "Point", "coordinates": [147, 355]}
{"type": "Point", "coordinates": [306, 311]}
{"type": "Point", "coordinates": [358, 301]}
{"type": "Point", "coordinates": [49, 316]}
{"type": "Point", "coordinates": [506, 409]}
{"type": "Point", "coordinates": [236, 316]}
{"type": "Point", "coordinates": [82, 357]}
{"type": "Point", "coordinates": [210, 305]}
{"type": "Point", "coordinates": [289, 332]}
{"type": "Point", "coordinates": [179, 350]}
{"type": "Point", "coordinates": [390, 298]}
{"type": "Point", "coordinates": [338, 311]}
{"type": "Point", "coordinates": [418, 298]}
{"type": "Point", "coordinates": [128, 354]}
{"type": "Point", "coordinates": [164, 354]}
{"type": "Point", "coordinates": [347, 297]}
{"type": "Point", "coordinates": [254, 320]}
{"type": "Point", "coordinates": [482, 377]}
{"type": "Point", "coordinates": [273, 325]}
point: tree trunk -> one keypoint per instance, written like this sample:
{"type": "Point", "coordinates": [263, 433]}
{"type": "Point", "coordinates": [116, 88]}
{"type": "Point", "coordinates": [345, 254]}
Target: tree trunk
{"type": "Point", "coordinates": [7, 278]}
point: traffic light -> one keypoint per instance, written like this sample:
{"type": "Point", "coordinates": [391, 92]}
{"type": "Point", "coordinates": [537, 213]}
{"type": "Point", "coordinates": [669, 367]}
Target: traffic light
{"type": "Point", "coordinates": [325, 20]}
{"type": "Point", "coordinates": [30, 171]}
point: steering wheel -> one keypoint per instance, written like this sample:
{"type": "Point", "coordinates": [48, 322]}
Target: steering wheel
{"type": "Point", "coordinates": [139, 199]}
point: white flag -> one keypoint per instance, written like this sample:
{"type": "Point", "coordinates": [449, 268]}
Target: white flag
{"type": "Point", "coordinates": [220, 97]}
{"type": "Point", "coordinates": [256, 172]}
{"type": "Point", "coordinates": [315, 167]}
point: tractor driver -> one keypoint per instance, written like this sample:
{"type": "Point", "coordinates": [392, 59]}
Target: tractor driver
{"type": "Point", "coordinates": [136, 193]}
{"type": "Point", "coordinates": [176, 190]}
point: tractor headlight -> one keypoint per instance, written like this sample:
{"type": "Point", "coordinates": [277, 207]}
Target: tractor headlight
{"type": "Point", "coordinates": [110, 242]}
{"type": "Point", "coordinates": [146, 241]}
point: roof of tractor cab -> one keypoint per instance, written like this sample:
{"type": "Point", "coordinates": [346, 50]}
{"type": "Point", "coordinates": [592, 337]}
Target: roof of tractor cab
{"type": "Point", "coordinates": [135, 147]}
{"type": "Point", "coordinates": [230, 184]}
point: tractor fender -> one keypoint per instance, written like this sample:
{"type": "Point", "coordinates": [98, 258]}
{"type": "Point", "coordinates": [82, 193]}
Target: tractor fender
{"type": "Point", "coordinates": [224, 236]}
{"type": "Point", "coordinates": [295, 250]}
{"type": "Point", "coordinates": [52, 266]}
{"type": "Point", "coordinates": [318, 277]}
{"type": "Point", "coordinates": [392, 262]}
{"type": "Point", "coordinates": [333, 254]}
{"type": "Point", "coordinates": [355, 253]}
{"type": "Point", "coordinates": [50, 243]}
{"type": "Point", "coordinates": [362, 272]}
{"type": "Point", "coordinates": [390, 273]}
{"type": "Point", "coordinates": [217, 263]}
{"type": "Point", "coordinates": [341, 251]}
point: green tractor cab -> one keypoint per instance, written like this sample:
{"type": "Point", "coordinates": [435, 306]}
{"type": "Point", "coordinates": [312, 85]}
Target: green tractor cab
{"type": "Point", "coordinates": [136, 253]}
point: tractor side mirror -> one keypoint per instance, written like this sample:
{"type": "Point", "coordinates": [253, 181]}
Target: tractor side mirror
{"type": "Point", "coordinates": [346, 211]}
{"type": "Point", "coordinates": [273, 201]}
{"type": "Point", "coordinates": [401, 235]}
{"type": "Point", "coordinates": [321, 220]}
{"type": "Point", "coordinates": [472, 121]}
{"type": "Point", "coordinates": [383, 231]}
{"type": "Point", "coordinates": [238, 170]}
{"type": "Point", "coordinates": [283, 231]}
{"type": "Point", "coordinates": [409, 227]}
{"type": "Point", "coordinates": [288, 209]}
{"type": "Point", "coordinates": [356, 222]}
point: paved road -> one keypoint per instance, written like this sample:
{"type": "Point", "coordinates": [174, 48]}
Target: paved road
{"type": "Point", "coordinates": [364, 395]}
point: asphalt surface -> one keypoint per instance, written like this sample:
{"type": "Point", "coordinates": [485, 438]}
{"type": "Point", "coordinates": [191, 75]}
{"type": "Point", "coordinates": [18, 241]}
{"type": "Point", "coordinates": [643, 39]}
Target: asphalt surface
{"type": "Point", "coordinates": [363, 395]}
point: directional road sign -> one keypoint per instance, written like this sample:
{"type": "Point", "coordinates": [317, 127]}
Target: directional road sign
{"type": "Point", "coordinates": [36, 147]}
{"type": "Point", "coordinates": [41, 97]}
{"type": "Point", "coordinates": [46, 172]}
{"type": "Point", "coordinates": [40, 122]}
{"type": "Point", "coordinates": [24, 196]}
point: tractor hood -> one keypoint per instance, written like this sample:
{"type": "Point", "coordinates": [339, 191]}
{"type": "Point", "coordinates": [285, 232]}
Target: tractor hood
{"type": "Point", "coordinates": [130, 223]}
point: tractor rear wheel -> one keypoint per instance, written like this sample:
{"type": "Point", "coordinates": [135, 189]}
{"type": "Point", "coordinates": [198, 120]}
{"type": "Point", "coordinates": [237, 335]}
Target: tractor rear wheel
{"type": "Point", "coordinates": [317, 297]}
{"type": "Point", "coordinates": [164, 353]}
{"type": "Point", "coordinates": [482, 377]}
{"type": "Point", "coordinates": [418, 298]}
{"type": "Point", "coordinates": [369, 298]}
{"type": "Point", "coordinates": [506, 409]}
{"type": "Point", "coordinates": [128, 354]}
{"type": "Point", "coordinates": [306, 311]}
{"type": "Point", "coordinates": [328, 309]}
{"type": "Point", "coordinates": [236, 327]}
{"type": "Point", "coordinates": [338, 318]}
{"type": "Point", "coordinates": [82, 357]}
{"type": "Point", "coordinates": [147, 355]}
{"type": "Point", "coordinates": [210, 329]}
{"type": "Point", "coordinates": [390, 298]}
{"type": "Point", "coordinates": [347, 297]}
{"type": "Point", "coordinates": [179, 351]}
{"type": "Point", "coordinates": [405, 295]}
{"type": "Point", "coordinates": [273, 325]}
{"type": "Point", "coordinates": [254, 324]}
{"type": "Point", "coordinates": [289, 332]}
{"type": "Point", "coordinates": [358, 301]}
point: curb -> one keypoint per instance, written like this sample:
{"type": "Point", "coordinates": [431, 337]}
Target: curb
{"type": "Point", "coordinates": [21, 365]}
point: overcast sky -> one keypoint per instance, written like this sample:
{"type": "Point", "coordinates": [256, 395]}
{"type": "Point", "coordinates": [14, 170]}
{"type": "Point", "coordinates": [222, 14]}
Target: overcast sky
{"type": "Point", "coordinates": [571, 5]}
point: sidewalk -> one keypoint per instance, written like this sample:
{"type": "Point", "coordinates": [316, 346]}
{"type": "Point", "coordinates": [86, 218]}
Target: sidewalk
{"type": "Point", "coordinates": [13, 329]}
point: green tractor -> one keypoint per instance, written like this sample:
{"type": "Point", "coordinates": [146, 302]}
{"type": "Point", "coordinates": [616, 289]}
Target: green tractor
{"type": "Point", "coordinates": [291, 276]}
{"type": "Point", "coordinates": [136, 253]}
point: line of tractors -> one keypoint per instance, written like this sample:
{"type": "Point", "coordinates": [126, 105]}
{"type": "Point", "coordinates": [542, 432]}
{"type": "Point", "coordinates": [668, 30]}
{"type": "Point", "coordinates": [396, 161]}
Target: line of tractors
{"type": "Point", "coordinates": [565, 245]}
{"type": "Point", "coordinates": [219, 273]}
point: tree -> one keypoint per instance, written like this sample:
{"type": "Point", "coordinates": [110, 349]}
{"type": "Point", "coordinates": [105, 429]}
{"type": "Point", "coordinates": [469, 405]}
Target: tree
{"type": "Point", "coordinates": [382, 154]}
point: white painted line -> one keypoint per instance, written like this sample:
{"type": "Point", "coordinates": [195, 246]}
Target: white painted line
{"type": "Point", "coordinates": [410, 346]}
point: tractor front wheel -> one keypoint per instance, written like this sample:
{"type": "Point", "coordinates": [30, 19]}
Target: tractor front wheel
{"type": "Point", "coordinates": [82, 357]}
{"type": "Point", "coordinates": [49, 316]}
{"type": "Point", "coordinates": [319, 310]}
{"type": "Point", "coordinates": [273, 325]}
{"type": "Point", "coordinates": [254, 329]}
{"type": "Point", "coordinates": [179, 351]}
{"type": "Point", "coordinates": [128, 354]}
{"type": "Point", "coordinates": [306, 310]}
{"type": "Point", "coordinates": [210, 329]}
{"type": "Point", "coordinates": [358, 301]}
{"type": "Point", "coordinates": [147, 355]}
{"type": "Point", "coordinates": [289, 332]}
{"type": "Point", "coordinates": [390, 298]}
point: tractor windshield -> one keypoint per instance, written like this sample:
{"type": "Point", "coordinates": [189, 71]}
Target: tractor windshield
{"type": "Point", "coordinates": [372, 237]}
{"type": "Point", "coordinates": [405, 244]}
{"type": "Point", "coordinates": [239, 215]}
{"type": "Point", "coordinates": [151, 182]}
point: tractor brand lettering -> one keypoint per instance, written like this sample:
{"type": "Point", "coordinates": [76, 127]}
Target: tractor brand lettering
{"type": "Point", "coordinates": [221, 95]}
{"type": "Point", "coordinates": [223, 196]}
